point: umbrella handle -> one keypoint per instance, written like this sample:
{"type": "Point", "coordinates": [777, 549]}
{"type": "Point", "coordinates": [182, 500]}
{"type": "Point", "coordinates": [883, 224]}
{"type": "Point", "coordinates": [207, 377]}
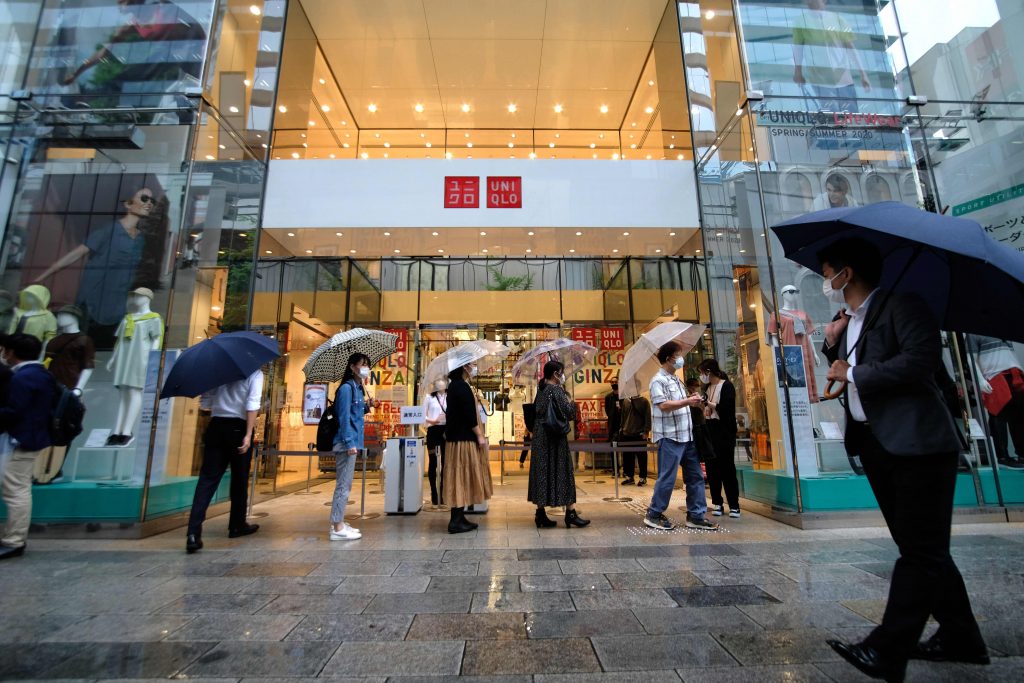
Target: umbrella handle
{"type": "Point", "coordinates": [831, 393]}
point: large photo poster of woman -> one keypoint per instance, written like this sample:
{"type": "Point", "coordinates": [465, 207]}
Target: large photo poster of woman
{"type": "Point", "coordinates": [117, 53]}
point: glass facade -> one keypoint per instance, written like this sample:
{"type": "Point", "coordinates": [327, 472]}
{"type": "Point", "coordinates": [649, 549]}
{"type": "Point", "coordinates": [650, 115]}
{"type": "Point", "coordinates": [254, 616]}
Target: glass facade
{"type": "Point", "coordinates": [139, 138]}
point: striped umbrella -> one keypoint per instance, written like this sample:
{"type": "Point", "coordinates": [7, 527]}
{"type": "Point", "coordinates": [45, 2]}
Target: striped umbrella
{"type": "Point", "coordinates": [327, 363]}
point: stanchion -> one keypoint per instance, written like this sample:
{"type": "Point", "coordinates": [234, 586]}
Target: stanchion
{"type": "Point", "coordinates": [501, 463]}
{"type": "Point", "coordinates": [362, 502]}
{"type": "Point", "coordinates": [440, 507]}
{"type": "Point", "coordinates": [309, 471]}
{"type": "Point", "coordinates": [255, 475]}
{"type": "Point", "coordinates": [593, 464]}
{"type": "Point", "coordinates": [615, 468]}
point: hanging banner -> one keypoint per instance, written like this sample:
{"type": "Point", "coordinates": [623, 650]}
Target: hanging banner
{"type": "Point", "coordinates": [314, 403]}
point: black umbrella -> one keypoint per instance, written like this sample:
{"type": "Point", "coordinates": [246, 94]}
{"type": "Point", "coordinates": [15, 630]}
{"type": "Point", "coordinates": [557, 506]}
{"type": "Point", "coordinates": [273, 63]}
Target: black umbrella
{"type": "Point", "coordinates": [219, 360]}
{"type": "Point", "coordinates": [972, 283]}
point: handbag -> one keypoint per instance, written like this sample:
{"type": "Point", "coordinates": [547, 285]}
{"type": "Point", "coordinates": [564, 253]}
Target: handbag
{"type": "Point", "coordinates": [702, 439]}
{"type": "Point", "coordinates": [553, 420]}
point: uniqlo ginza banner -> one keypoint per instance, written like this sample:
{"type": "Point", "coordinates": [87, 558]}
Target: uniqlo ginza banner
{"type": "Point", "coordinates": [437, 193]}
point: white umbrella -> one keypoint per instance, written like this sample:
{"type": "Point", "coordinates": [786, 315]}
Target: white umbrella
{"type": "Point", "coordinates": [328, 361]}
{"type": "Point", "coordinates": [485, 353]}
{"type": "Point", "coordinates": [640, 363]}
{"type": "Point", "coordinates": [573, 354]}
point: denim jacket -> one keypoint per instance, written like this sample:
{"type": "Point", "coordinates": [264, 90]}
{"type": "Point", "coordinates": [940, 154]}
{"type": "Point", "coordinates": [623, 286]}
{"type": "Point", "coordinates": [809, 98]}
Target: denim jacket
{"type": "Point", "coordinates": [349, 407]}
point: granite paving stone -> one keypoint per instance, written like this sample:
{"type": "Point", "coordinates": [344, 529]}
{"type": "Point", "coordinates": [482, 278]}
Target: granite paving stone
{"type": "Point", "coordinates": [293, 585]}
{"type": "Point", "coordinates": [121, 628]}
{"type": "Point", "coordinates": [102, 603]}
{"type": "Point", "coordinates": [713, 596]}
{"type": "Point", "coordinates": [785, 673]}
{"type": "Point", "coordinates": [665, 621]}
{"type": "Point", "coordinates": [473, 584]}
{"type": "Point", "coordinates": [406, 658]}
{"type": "Point", "coordinates": [263, 659]}
{"type": "Point", "coordinates": [197, 585]}
{"type": "Point", "coordinates": [641, 580]}
{"type": "Point", "coordinates": [32, 660]}
{"type": "Point", "coordinates": [214, 627]}
{"type": "Point", "coordinates": [660, 652]}
{"type": "Point", "coordinates": [671, 564]}
{"type": "Point", "coordinates": [494, 626]}
{"type": "Point", "coordinates": [616, 677]}
{"type": "Point", "coordinates": [317, 604]}
{"type": "Point", "coordinates": [33, 628]}
{"type": "Point", "coordinates": [517, 567]}
{"type": "Point", "coordinates": [522, 602]}
{"type": "Point", "coordinates": [1004, 635]}
{"type": "Point", "coordinates": [419, 603]}
{"type": "Point", "coordinates": [565, 582]}
{"type": "Point", "coordinates": [352, 627]}
{"type": "Point", "coordinates": [804, 615]}
{"type": "Point", "coordinates": [738, 577]}
{"type": "Point", "coordinates": [618, 599]}
{"type": "Point", "coordinates": [561, 655]}
{"type": "Point", "coordinates": [793, 646]}
{"type": "Point", "coordinates": [273, 569]}
{"type": "Point", "coordinates": [367, 568]}
{"type": "Point", "coordinates": [582, 624]}
{"type": "Point", "coordinates": [216, 603]}
{"type": "Point", "coordinates": [824, 572]}
{"type": "Point", "coordinates": [481, 555]}
{"type": "Point", "coordinates": [599, 566]}
{"type": "Point", "coordinates": [369, 585]}
{"type": "Point", "coordinates": [826, 591]}
{"type": "Point", "coordinates": [128, 660]}
{"type": "Point", "coordinates": [436, 569]}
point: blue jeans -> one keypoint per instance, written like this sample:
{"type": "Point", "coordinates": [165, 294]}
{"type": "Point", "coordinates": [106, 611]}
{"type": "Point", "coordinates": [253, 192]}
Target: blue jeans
{"type": "Point", "coordinates": [672, 454]}
{"type": "Point", "coordinates": [344, 469]}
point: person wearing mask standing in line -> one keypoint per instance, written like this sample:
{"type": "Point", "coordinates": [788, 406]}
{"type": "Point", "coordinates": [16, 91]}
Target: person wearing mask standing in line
{"type": "Point", "coordinates": [436, 409]}
{"type": "Point", "coordinates": [466, 477]}
{"type": "Point", "coordinates": [227, 443]}
{"type": "Point", "coordinates": [350, 406]}
{"type": "Point", "coordinates": [672, 430]}
{"type": "Point", "coordinates": [720, 417]}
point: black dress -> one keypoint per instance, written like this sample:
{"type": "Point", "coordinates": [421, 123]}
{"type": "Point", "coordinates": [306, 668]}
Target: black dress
{"type": "Point", "coordinates": [552, 480]}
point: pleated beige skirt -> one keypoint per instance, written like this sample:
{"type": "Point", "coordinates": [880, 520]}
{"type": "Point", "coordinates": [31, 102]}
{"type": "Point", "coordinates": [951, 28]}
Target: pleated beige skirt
{"type": "Point", "coordinates": [466, 475]}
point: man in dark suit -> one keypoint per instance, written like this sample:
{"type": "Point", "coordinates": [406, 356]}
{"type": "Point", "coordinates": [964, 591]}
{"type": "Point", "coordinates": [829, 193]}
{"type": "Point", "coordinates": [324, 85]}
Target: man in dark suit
{"type": "Point", "coordinates": [25, 417]}
{"type": "Point", "coordinates": [887, 349]}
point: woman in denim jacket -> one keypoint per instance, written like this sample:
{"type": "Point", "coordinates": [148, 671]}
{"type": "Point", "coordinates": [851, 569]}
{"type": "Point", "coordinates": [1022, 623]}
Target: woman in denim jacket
{"type": "Point", "coordinates": [350, 406]}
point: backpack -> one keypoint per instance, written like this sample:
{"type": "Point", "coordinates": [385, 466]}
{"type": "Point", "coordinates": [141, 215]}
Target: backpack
{"type": "Point", "coordinates": [326, 429]}
{"type": "Point", "coordinates": [67, 415]}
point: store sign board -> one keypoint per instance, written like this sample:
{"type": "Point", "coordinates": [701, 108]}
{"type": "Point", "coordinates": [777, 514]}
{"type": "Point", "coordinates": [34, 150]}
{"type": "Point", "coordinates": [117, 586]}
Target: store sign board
{"type": "Point", "coordinates": [602, 338]}
{"type": "Point", "coordinates": [842, 119]}
{"type": "Point", "coordinates": [988, 200]}
{"type": "Point", "coordinates": [462, 192]}
{"type": "Point", "coordinates": [505, 192]}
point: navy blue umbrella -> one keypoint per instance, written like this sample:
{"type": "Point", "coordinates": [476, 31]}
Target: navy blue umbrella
{"type": "Point", "coordinates": [972, 283]}
{"type": "Point", "coordinates": [217, 361]}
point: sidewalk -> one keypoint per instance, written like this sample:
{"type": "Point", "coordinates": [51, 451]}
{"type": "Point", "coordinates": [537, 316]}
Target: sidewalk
{"type": "Point", "coordinates": [615, 601]}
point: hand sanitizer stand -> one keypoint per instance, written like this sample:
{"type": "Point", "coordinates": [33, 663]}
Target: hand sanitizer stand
{"type": "Point", "coordinates": [403, 467]}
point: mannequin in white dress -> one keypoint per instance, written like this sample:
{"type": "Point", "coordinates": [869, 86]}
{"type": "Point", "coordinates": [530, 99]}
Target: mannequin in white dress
{"type": "Point", "coordinates": [140, 332]}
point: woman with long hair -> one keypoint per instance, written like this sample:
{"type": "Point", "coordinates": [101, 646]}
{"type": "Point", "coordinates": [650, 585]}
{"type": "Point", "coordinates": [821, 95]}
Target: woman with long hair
{"type": "Point", "coordinates": [466, 476]}
{"type": "Point", "coordinates": [720, 417]}
{"type": "Point", "coordinates": [350, 406]}
{"type": "Point", "coordinates": [552, 480]}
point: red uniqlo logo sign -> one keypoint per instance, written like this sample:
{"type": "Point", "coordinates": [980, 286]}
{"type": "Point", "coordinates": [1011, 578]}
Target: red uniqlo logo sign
{"type": "Point", "coordinates": [505, 192]}
{"type": "Point", "coordinates": [462, 192]}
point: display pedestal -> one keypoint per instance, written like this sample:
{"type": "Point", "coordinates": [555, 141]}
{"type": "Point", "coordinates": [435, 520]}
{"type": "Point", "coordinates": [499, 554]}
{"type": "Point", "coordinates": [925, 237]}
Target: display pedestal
{"type": "Point", "coordinates": [104, 463]}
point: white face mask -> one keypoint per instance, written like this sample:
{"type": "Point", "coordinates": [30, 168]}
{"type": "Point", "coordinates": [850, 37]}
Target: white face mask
{"type": "Point", "coordinates": [473, 371]}
{"type": "Point", "coordinates": [364, 372]}
{"type": "Point", "coordinates": [836, 296]}
{"type": "Point", "coordinates": [705, 378]}
{"type": "Point", "coordinates": [439, 386]}
{"type": "Point", "coordinates": [679, 363]}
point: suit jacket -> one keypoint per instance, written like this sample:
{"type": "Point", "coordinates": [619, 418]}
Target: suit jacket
{"type": "Point", "coordinates": [897, 359]}
{"type": "Point", "coordinates": [26, 413]}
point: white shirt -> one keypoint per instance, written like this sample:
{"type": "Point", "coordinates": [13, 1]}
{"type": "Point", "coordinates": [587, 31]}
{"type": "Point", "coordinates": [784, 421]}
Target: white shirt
{"type": "Point", "coordinates": [714, 396]}
{"type": "Point", "coordinates": [235, 399]}
{"type": "Point", "coordinates": [677, 424]}
{"type": "Point", "coordinates": [436, 406]}
{"type": "Point", "coordinates": [853, 330]}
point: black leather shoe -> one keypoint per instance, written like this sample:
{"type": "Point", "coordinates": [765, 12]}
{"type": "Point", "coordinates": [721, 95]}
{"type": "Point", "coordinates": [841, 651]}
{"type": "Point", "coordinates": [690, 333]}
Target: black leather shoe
{"type": "Point", "coordinates": [870, 661]}
{"type": "Point", "coordinates": [9, 551]}
{"type": "Point", "coordinates": [935, 650]}
{"type": "Point", "coordinates": [542, 520]}
{"type": "Point", "coordinates": [193, 543]}
{"type": "Point", "coordinates": [459, 526]}
{"type": "Point", "coordinates": [243, 531]}
{"type": "Point", "coordinates": [572, 518]}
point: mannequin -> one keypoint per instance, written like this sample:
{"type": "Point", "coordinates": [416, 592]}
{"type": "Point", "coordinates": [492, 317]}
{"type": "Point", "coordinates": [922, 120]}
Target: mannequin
{"type": "Point", "coordinates": [71, 355]}
{"type": "Point", "coordinates": [794, 327]}
{"type": "Point", "coordinates": [32, 316]}
{"type": "Point", "coordinates": [140, 332]}
{"type": "Point", "coordinates": [1002, 392]}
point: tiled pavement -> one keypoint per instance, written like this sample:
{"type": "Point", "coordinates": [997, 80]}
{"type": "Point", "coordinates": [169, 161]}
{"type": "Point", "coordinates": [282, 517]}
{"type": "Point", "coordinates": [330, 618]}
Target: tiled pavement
{"type": "Point", "coordinates": [613, 602]}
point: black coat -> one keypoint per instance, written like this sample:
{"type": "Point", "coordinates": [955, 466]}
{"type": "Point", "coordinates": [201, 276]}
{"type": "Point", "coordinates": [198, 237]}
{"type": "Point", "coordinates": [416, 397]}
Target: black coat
{"type": "Point", "coordinates": [461, 415]}
{"type": "Point", "coordinates": [897, 358]}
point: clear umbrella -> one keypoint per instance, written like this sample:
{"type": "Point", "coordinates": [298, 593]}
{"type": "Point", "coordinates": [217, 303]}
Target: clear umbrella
{"type": "Point", "coordinates": [640, 363]}
{"type": "Point", "coordinates": [485, 353]}
{"type": "Point", "coordinates": [573, 354]}
{"type": "Point", "coordinates": [328, 361]}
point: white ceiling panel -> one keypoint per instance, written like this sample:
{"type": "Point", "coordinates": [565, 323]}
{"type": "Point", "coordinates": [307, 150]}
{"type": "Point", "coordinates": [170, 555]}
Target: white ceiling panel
{"type": "Point", "coordinates": [594, 65]}
{"type": "Point", "coordinates": [604, 20]}
{"type": "Point", "coordinates": [489, 108]}
{"type": "Point", "coordinates": [581, 108]}
{"type": "Point", "coordinates": [487, 64]}
{"type": "Point", "coordinates": [490, 19]}
{"type": "Point", "coordinates": [367, 19]}
{"type": "Point", "coordinates": [365, 64]}
{"type": "Point", "coordinates": [396, 108]}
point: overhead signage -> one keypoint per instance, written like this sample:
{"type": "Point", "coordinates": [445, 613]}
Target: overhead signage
{"type": "Point", "coordinates": [795, 117]}
{"type": "Point", "coordinates": [989, 200]}
{"type": "Point", "coordinates": [503, 192]}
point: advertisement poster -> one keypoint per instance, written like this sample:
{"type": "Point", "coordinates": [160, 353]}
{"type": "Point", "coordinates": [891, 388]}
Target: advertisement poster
{"type": "Point", "coordinates": [789, 364]}
{"type": "Point", "coordinates": [314, 403]}
{"type": "Point", "coordinates": [165, 413]}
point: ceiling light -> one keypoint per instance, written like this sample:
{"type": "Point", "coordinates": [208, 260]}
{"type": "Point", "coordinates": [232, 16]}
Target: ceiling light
{"type": "Point", "coordinates": [309, 251]}
{"type": "Point", "coordinates": [615, 156]}
{"type": "Point", "coordinates": [615, 251]}
{"type": "Point", "coordinates": [291, 234]}
{"type": "Point", "coordinates": [710, 14]}
{"type": "Point", "coordinates": [532, 155]}
{"type": "Point", "coordinates": [429, 145]}
{"type": "Point", "coordinates": [572, 251]}
{"type": "Point", "coordinates": [435, 233]}
{"type": "Point", "coordinates": [330, 156]}
{"type": "Point", "coordinates": [323, 82]}
{"type": "Point", "coordinates": [633, 124]}
{"type": "Point", "coordinates": [209, 157]}
{"type": "Point", "coordinates": [593, 156]}
{"type": "Point", "coordinates": [592, 145]}
{"type": "Point", "coordinates": [551, 144]}
{"type": "Point", "coordinates": [469, 144]}
{"type": "Point", "coordinates": [221, 146]}
{"type": "Point", "coordinates": [483, 250]}
{"type": "Point", "coordinates": [398, 251]}
{"type": "Point", "coordinates": [657, 251]}
{"type": "Point", "coordinates": [558, 135]}
{"type": "Point", "coordinates": [649, 110]}
{"type": "Point", "coordinates": [418, 108]}
{"type": "Point", "coordinates": [558, 109]}
{"type": "Point", "coordinates": [364, 155]}
{"type": "Point", "coordinates": [483, 234]}
{"type": "Point", "coordinates": [351, 251]}
{"type": "Point", "coordinates": [312, 123]}
{"type": "Point", "coordinates": [648, 157]}
{"type": "Point", "coordinates": [254, 9]}
{"type": "Point", "coordinates": [604, 108]}
{"type": "Point", "coordinates": [233, 109]}
{"type": "Point", "coordinates": [465, 108]}
{"type": "Point", "coordinates": [385, 155]}
{"type": "Point", "coordinates": [579, 234]}
{"type": "Point", "coordinates": [387, 234]}
{"type": "Point", "coordinates": [447, 155]}
{"type": "Point", "coordinates": [440, 251]}
{"type": "Point", "coordinates": [339, 234]}
{"type": "Point", "coordinates": [679, 157]}
{"type": "Point", "coordinates": [268, 252]}
{"type": "Point", "coordinates": [372, 108]}
{"type": "Point", "coordinates": [650, 82]}
{"type": "Point", "coordinates": [283, 109]}
{"type": "Point", "coordinates": [388, 145]}
{"type": "Point", "coordinates": [466, 135]}
{"type": "Point", "coordinates": [529, 251]}
{"type": "Point", "coordinates": [345, 145]}
{"type": "Point", "coordinates": [376, 135]}
{"type": "Point", "coordinates": [697, 251]}
{"type": "Point", "coordinates": [264, 145]}
{"type": "Point", "coordinates": [511, 144]}
{"type": "Point", "coordinates": [625, 234]}
{"type": "Point", "coordinates": [739, 111]}
{"type": "Point", "coordinates": [512, 108]}
{"type": "Point", "coordinates": [531, 233]}
{"type": "Point", "coordinates": [344, 123]}
{"type": "Point", "coordinates": [295, 155]}
{"type": "Point", "coordinates": [325, 108]}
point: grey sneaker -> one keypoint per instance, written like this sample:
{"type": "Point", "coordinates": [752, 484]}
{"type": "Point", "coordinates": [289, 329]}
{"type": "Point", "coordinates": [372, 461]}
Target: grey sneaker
{"type": "Point", "coordinates": [700, 523]}
{"type": "Point", "coordinates": [659, 522]}
{"type": "Point", "coordinates": [735, 514]}
{"type": "Point", "coordinates": [716, 510]}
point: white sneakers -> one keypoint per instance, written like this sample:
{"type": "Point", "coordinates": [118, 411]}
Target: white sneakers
{"type": "Point", "coordinates": [347, 533]}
